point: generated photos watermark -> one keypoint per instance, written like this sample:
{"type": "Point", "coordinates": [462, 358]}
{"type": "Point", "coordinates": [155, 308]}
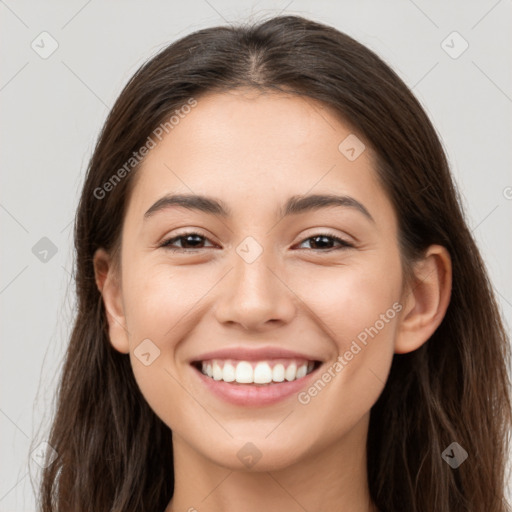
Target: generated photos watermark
{"type": "Point", "coordinates": [305, 397]}
{"type": "Point", "coordinates": [156, 135]}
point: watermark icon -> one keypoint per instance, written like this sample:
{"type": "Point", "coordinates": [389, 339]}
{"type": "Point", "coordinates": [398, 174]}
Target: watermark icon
{"type": "Point", "coordinates": [351, 147]}
{"type": "Point", "coordinates": [304, 397]}
{"type": "Point", "coordinates": [146, 352]}
{"type": "Point", "coordinates": [44, 455]}
{"type": "Point", "coordinates": [454, 45]}
{"type": "Point", "coordinates": [44, 250]}
{"type": "Point", "coordinates": [249, 455]}
{"type": "Point", "coordinates": [507, 192]}
{"type": "Point", "coordinates": [44, 45]}
{"type": "Point", "coordinates": [137, 156]}
{"type": "Point", "coordinates": [454, 455]}
{"type": "Point", "coordinates": [249, 249]}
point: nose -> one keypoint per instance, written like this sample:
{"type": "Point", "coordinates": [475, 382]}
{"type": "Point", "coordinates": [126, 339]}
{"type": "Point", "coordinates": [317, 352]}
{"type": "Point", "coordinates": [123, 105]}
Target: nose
{"type": "Point", "coordinates": [255, 296]}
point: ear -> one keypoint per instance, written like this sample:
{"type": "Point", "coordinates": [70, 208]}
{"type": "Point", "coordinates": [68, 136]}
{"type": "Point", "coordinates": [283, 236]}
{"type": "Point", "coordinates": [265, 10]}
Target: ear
{"type": "Point", "coordinates": [108, 283]}
{"type": "Point", "coordinates": [425, 299]}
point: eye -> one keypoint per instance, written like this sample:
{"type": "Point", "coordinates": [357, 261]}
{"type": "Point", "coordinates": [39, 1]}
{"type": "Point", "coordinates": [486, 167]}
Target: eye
{"type": "Point", "coordinates": [325, 240]}
{"type": "Point", "coordinates": [191, 239]}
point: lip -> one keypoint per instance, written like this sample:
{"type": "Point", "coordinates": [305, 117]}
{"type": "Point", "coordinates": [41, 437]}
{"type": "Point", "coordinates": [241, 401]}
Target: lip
{"type": "Point", "coordinates": [255, 354]}
{"type": "Point", "coordinates": [254, 395]}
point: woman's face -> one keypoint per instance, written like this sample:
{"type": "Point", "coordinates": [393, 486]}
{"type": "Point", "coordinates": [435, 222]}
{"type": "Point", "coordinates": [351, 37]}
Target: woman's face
{"type": "Point", "coordinates": [262, 282]}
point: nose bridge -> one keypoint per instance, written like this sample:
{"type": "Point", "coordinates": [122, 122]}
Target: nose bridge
{"type": "Point", "coordinates": [253, 295]}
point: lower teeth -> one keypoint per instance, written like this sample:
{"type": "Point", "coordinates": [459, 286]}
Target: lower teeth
{"type": "Point", "coordinates": [250, 383]}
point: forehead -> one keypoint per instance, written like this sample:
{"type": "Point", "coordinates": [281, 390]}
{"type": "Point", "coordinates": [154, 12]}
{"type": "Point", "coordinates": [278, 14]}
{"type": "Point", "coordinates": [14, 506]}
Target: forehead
{"type": "Point", "coordinates": [245, 145]}
{"type": "Point", "coordinates": [259, 125]}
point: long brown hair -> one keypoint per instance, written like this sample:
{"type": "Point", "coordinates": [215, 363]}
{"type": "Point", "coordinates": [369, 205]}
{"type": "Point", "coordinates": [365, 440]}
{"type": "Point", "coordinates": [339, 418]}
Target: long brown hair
{"type": "Point", "coordinates": [115, 454]}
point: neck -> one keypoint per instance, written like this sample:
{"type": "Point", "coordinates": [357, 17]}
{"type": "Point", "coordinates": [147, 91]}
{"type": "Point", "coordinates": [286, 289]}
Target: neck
{"type": "Point", "coordinates": [334, 478]}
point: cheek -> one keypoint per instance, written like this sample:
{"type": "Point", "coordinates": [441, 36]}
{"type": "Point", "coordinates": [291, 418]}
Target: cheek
{"type": "Point", "coordinates": [358, 306]}
{"type": "Point", "coordinates": [158, 298]}
{"type": "Point", "coordinates": [352, 299]}
{"type": "Point", "coordinates": [161, 306]}
{"type": "Point", "coordinates": [164, 304]}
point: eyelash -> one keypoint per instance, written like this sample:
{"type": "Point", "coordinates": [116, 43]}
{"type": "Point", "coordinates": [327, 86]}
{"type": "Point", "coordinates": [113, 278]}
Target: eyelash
{"type": "Point", "coordinates": [166, 243]}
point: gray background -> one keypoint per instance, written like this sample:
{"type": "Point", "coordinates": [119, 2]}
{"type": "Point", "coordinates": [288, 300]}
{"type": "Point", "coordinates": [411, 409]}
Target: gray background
{"type": "Point", "coordinates": [53, 108]}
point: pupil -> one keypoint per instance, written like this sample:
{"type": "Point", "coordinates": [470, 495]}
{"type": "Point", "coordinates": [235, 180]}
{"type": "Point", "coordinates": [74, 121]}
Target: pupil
{"type": "Point", "coordinates": [189, 237]}
{"type": "Point", "coordinates": [325, 239]}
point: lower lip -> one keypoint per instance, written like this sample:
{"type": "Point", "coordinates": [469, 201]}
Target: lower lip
{"type": "Point", "coordinates": [254, 395]}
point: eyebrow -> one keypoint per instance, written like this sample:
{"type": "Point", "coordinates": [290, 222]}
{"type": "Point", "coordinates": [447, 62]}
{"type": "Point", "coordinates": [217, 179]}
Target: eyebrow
{"type": "Point", "coordinates": [294, 205]}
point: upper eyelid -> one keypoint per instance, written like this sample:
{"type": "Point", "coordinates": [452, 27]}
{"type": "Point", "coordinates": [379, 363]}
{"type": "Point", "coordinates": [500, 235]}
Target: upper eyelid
{"type": "Point", "coordinates": [167, 241]}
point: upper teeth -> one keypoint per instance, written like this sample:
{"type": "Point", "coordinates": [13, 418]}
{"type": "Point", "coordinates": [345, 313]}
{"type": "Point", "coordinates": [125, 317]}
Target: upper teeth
{"type": "Point", "coordinates": [261, 372]}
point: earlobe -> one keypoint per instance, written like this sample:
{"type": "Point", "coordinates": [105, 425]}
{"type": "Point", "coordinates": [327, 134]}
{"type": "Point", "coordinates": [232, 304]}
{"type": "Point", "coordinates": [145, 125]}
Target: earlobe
{"type": "Point", "coordinates": [108, 283]}
{"type": "Point", "coordinates": [425, 300]}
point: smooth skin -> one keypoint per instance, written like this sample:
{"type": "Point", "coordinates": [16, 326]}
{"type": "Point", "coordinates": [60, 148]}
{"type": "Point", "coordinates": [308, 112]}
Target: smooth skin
{"type": "Point", "coordinates": [252, 151]}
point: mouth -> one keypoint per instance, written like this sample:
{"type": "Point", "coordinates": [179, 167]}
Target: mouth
{"type": "Point", "coordinates": [254, 377]}
{"type": "Point", "coordinates": [256, 373]}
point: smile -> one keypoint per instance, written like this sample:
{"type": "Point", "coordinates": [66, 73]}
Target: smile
{"type": "Point", "coordinates": [256, 372]}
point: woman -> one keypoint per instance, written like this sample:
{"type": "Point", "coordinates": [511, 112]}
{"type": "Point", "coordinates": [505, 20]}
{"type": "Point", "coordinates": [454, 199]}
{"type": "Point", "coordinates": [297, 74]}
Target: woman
{"type": "Point", "coordinates": [280, 305]}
